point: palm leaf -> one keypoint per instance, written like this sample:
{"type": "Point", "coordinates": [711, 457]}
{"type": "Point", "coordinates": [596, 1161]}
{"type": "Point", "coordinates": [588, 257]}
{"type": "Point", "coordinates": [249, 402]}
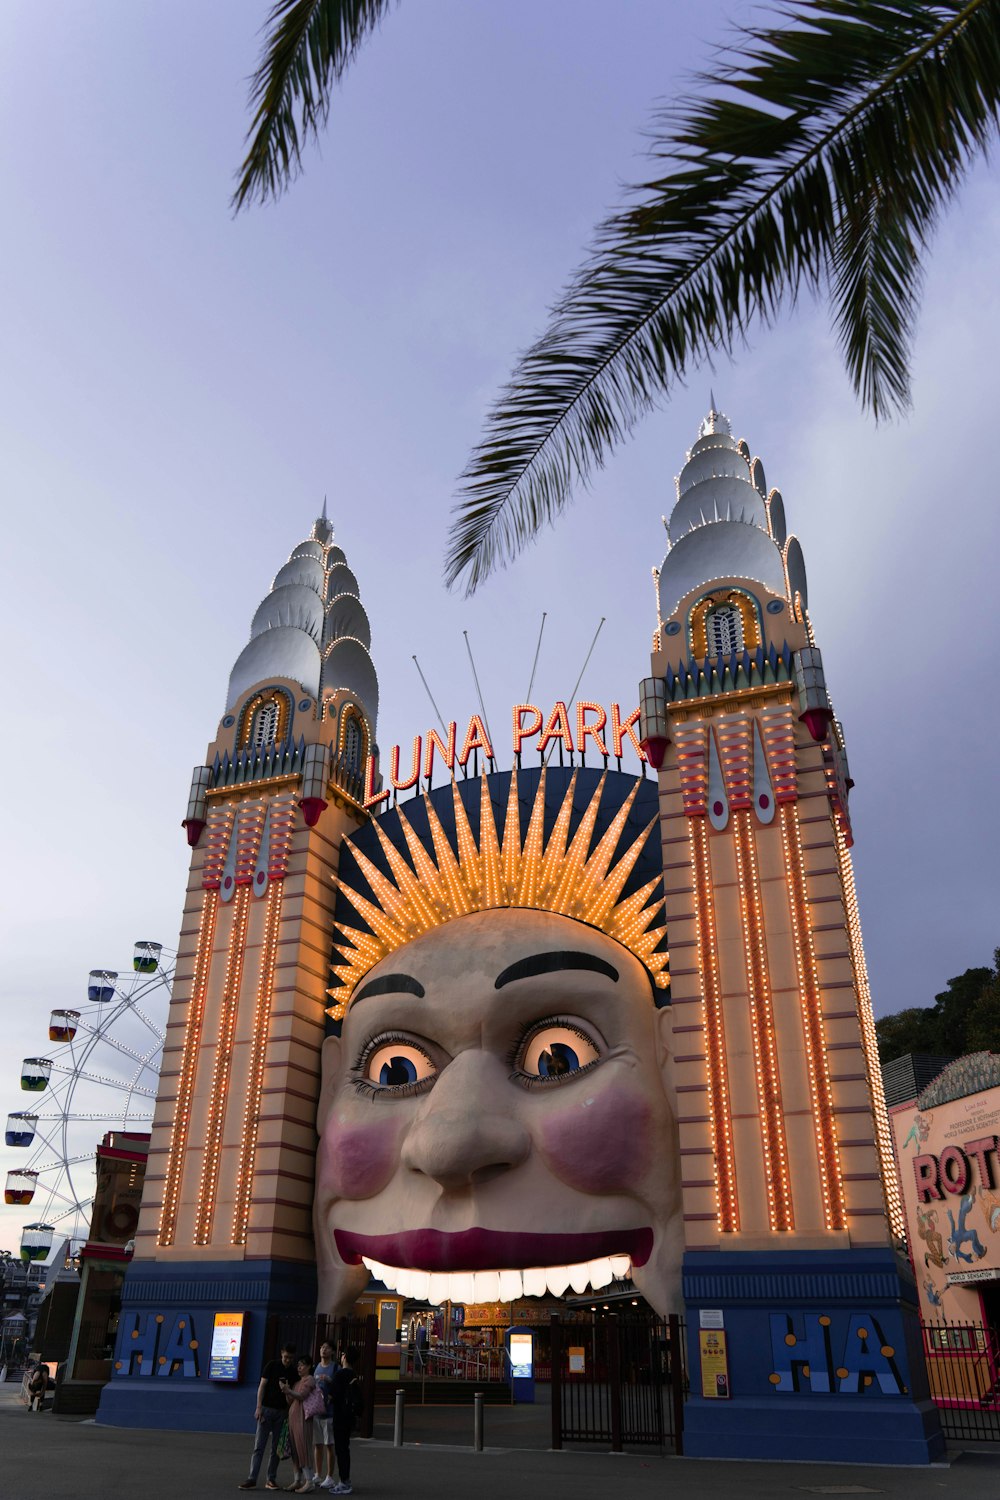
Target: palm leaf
{"type": "Point", "coordinates": [822, 162]}
{"type": "Point", "coordinates": [308, 45]}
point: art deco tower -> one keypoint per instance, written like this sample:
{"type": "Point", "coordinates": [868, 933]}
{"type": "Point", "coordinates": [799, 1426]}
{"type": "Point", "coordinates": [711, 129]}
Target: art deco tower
{"type": "Point", "coordinates": [226, 1213]}
{"type": "Point", "coordinates": [789, 1190]}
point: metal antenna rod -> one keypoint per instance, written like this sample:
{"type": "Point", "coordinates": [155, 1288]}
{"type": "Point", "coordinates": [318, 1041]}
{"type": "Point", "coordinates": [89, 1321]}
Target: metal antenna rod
{"type": "Point", "coordinates": [479, 691]}
{"type": "Point", "coordinates": [430, 695]}
{"type": "Point", "coordinates": [534, 664]}
{"type": "Point", "coordinates": [572, 696]}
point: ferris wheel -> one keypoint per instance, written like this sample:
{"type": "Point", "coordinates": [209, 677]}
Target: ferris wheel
{"type": "Point", "coordinates": [100, 1076]}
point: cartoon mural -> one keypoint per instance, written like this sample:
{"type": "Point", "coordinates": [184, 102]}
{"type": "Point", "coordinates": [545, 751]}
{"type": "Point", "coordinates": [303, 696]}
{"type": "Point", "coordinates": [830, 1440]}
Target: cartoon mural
{"type": "Point", "coordinates": [494, 1117]}
{"type": "Point", "coordinates": [950, 1181]}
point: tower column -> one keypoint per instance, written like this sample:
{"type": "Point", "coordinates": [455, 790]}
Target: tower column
{"type": "Point", "coordinates": [791, 1212]}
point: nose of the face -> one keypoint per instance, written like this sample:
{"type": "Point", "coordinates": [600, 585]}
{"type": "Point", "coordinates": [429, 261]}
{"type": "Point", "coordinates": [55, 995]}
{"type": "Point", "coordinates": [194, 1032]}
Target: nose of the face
{"type": "Point", "coordinates": [466, 1132]}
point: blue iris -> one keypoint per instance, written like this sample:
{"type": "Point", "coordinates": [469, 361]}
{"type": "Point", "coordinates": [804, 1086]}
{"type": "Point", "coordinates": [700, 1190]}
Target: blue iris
{"type": "Point", "coordinates": [398, 1070]}
{"type": "Point", "coordinates": [556, 1060]}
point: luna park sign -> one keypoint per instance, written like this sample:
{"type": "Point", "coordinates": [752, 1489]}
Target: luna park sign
{"type": "Point", "coordinates": [585, 726]}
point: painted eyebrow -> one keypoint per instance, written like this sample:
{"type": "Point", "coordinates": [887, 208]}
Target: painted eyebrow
{"type": "Point", "coordinates": [391, 984]}
{"type": "Point", "coordinates": [552, 963]}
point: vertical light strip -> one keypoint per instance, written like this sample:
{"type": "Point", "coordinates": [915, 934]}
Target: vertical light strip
{"type": "Point", "coordinates": [765, 1057]}
{"type": "Point", "coordinates": [189, 1064]}
{"type": "Point", "coordinates": [220, 1070]}
{"type": "Point", "coordinates": [258, 1053]}
{"type": "Point", "coordinates": [831, 1186]}
{"type": "Point", "coordinates": [726, 1195]}
{"type": "Point", "coordinates": [869, 1040]}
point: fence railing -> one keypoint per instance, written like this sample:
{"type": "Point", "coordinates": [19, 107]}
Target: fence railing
{"type": "Point", "coordinates": [619, 1380]}
{"type": "Point", "coordinates": [963, 1371]}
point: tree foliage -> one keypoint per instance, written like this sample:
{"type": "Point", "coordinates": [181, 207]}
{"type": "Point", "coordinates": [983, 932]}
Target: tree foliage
{"type": "Point", "coordinates": [965, 1017]}
{"type": "Point", "coordinates": [816, 154]}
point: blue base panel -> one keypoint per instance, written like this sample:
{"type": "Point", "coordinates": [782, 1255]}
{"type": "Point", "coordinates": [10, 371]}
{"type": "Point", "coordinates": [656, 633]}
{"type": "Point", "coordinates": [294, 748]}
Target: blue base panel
{"type": "Point", "coordinates": [806, 1355]}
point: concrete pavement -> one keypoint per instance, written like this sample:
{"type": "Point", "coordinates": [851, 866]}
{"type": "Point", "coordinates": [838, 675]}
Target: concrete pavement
{"type": "Point", "coordinates": [43, 1457]}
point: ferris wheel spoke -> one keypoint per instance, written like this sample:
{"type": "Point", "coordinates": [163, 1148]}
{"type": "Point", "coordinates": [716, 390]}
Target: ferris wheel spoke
{"type": "Point", "coordinates": [102, 1076]}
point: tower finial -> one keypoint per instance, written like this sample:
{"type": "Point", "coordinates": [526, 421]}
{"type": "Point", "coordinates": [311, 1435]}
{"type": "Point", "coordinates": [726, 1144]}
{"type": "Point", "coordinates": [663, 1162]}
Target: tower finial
{"type": "Point", "coordinates": [324, 507]}
{"type": "Point", "coordinates": [711, 397]}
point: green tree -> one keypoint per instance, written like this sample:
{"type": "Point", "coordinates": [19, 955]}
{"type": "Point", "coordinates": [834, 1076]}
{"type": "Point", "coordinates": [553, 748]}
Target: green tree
{"type": "Point", "coordinates": [816, 155]}
{"type": "Point", "coordinates": [965, 1017]}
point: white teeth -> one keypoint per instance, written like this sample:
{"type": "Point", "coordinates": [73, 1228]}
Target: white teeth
{"type": "Point", "coordinates": [601, 1273]}
{"type": "Point", "coordinates": [534, 1282]}
{"type": "Point", "coordinates": [487, 1286]}
{"type": "Point", "coordinates": [511, 1286]}
{"type": "Point", "coordinates": [501, 1286]}
{"type": "Point", "coordinates": [420, 1285]}
{"type": "Point", "coordinates": [558, 1279]}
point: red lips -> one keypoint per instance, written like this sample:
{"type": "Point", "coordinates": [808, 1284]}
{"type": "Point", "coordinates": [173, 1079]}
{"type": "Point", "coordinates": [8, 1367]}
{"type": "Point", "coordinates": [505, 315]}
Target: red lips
{"type": "Point", "coordinates": [490, 1249]}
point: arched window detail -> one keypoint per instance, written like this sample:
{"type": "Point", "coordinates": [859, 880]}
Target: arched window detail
{"type": "Point", "coordinates": [724, 630]}
{"type": "Point", "coordinates": [264, 721]}
{"type": "Point", "coordinates": [723, 623]}
{"type": "Point", "coordinates": [353, 740]}
{"type": "Point", "coordinates": [264, 726]}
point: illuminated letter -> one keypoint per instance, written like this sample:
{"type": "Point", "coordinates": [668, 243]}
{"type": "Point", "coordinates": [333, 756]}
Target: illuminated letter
{"type": "Point", "coordinates": [476, 739]}
{"type": "Point", "coordinates": [594, 730]}
{"type": "Point", "coordinates": [619, 730]}
{"type": "Point", "coordinates": [953, 1166]}
{"type": "Point", "coordinates": [981, 1151]}
{"type": "Point", "coordinates": [372, 797]}
{"type": "Point", "coordinates": [925, 1170]}
{"type": "Point", "coordinates": [557, 728]}
{"type": "Point", "coordinates": [447, 751]}
{"type": "Point", "coordinates": [404, 786]}
{"type": "Point", "coordinates": [521, 731]}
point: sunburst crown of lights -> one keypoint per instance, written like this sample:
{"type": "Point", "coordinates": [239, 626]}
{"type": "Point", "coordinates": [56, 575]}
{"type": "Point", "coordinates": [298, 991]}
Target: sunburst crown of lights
{"type": "Point", "coordinates": [558, 874]}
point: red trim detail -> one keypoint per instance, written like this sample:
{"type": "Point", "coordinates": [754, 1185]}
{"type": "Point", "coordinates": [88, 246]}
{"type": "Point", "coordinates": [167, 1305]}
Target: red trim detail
{"type": "Point", "coordinates": [311, 809]}
{"type": "Point", "coordinates": [817, 721]}
{"type": "Point", "coordinates": [194, 828]}
{"type": "Point", "coordinates": [655, 749]}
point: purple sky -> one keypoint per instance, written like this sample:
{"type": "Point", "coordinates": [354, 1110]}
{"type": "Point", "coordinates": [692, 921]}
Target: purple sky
{"type": "Point", "coordinates": [178, 391]}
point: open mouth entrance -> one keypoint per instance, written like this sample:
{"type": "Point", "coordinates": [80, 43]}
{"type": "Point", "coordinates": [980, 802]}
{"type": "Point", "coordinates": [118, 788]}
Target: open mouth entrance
{"type": "Point", "coordinates": [501, 1286]}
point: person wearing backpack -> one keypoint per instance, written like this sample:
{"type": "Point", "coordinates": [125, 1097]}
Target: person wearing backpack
{"type": "Point", "coordinates": [348, 1404]}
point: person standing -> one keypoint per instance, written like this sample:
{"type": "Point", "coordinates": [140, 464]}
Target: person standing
{"type": "Point", "coordinates": [421, 1344]}
{"type": "Point", "coordinates": [270, 1415]}
{"type": "Point", "coordinates": [323, 1425]}
{"type": "Point", "coordinates": [346, 1407]}
{"type": "Point", "coordinates": [300, 1425]}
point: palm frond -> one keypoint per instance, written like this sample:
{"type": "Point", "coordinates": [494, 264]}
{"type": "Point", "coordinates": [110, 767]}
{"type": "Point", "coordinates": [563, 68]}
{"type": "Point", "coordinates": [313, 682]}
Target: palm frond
{"type": "Point", "coordinates": [818, 155]}
{"type": "Point", "coordinates": [308, 45]}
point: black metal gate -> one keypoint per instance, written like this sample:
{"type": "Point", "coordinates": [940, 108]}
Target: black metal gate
{"type": "Point", "coordinates": [618, 1378]}
{"type": "Point", "coordinates": [963, 1370]}
{"type": "Point", "coordinates": [306, 1332]}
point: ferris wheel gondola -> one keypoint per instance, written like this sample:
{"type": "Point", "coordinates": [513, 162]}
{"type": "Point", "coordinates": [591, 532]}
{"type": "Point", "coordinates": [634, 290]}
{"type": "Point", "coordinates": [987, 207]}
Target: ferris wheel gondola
{"type": "Point", "coordinates": [100, 1076]}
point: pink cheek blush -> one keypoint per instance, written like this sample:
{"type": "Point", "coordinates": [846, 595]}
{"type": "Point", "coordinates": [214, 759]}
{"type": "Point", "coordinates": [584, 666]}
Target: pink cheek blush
{"type": "Point", "coordinates": [600, 1147]}
{"type": "Point", "coordinates": [357, 1161]}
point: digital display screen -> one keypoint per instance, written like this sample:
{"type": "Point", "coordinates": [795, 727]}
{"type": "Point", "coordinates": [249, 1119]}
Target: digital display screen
{"type": "Point", "coordinates": [520, 1356]}
{"type": "Point", "coordinates": [227, 1346]}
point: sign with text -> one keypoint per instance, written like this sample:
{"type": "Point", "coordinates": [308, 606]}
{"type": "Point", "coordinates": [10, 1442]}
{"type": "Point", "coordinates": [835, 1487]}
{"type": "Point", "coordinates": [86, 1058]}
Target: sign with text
{"type": "Point", "coordinates": [227, 1346]}
{"type": "Point", "coordinates": [714, 1363]}
{"type": "Point", "coordinates": [570, 730]}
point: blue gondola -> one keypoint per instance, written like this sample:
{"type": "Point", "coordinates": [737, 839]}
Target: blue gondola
{"type": "Point", "coordinates": [101, 986]}
{"type": "Point", "coordinates": [20, 1129]}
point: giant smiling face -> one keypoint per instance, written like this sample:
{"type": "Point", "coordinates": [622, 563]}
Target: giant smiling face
{"type": "Point", "coordinates": [494, 1120]}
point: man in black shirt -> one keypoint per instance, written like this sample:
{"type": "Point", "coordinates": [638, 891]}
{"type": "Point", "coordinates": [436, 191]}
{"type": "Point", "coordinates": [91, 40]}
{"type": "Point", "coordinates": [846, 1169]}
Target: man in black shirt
{"type": "Point", "coordinates": [344, 1387]}
{"type": "Point", "coordinates": [272, 1409]}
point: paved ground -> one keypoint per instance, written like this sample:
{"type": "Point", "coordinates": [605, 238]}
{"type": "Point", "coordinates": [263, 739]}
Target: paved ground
{"type": "Point", "coordinates": [43, 1457]}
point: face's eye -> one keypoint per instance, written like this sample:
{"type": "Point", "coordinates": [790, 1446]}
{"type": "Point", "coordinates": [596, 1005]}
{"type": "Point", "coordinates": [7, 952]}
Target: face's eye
{"type": "Point", "coordinates": [557, 1051]}
{"type": "Point", "coordinates": [396, 1064]}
